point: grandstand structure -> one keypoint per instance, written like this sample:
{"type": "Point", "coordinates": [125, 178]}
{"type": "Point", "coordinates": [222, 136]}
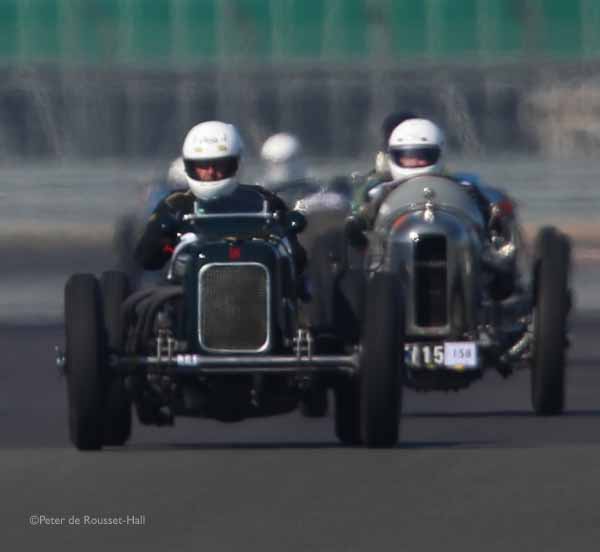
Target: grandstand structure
{"type": "Point", "coordinates": [141, 71]}
{"type": "Point", "coordinates": [191, 32]}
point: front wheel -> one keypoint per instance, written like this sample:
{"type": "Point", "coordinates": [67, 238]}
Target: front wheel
{"type": "Point", "coordinates": [85, 354]}
{"type": "Point", "coordinates": [553, 257]}
{"type": "Point", "coordinates": [381, 364]}
{"type": "Point", "coordinates": [117, 414]}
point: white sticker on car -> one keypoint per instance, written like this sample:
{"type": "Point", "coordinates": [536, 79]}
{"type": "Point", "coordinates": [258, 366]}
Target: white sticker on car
{"type": "Point", "coordinates": [460, 354]}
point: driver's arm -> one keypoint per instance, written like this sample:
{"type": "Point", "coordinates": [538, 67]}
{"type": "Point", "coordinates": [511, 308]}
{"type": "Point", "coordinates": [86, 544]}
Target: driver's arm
{"type": "Point", "coordinates": [155, 246]}
{"type": "Point", "coordinates": [276, 204]}
{"type": "Point", "coordinates": [368, 211]}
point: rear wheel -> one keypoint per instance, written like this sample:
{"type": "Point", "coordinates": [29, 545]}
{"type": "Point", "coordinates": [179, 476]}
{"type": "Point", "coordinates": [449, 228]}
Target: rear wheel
{"type": "Point", "coordinates": [85, 354]}
{"type": "Point", "coordinates": [381, 364]}
{"type": "Point", "coordinates": [550, 319]}
{"type": "Point", "coordinates": [117, 413]}
{"type": "Point", "coordinates": [127, 229]}
{"type": "Point", "coordinates": [322, 274]}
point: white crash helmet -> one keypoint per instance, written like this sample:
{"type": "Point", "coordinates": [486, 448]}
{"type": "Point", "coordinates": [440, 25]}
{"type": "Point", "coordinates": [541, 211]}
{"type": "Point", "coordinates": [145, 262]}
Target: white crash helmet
{"type": "Point", "coordinates": [415, 148]}
{"type": "Point", "coordinates": [216, 146]}
{"type": "Point", "coordinates": [284, 161]}
{"type": "Point", "coordinates": [176, 177]}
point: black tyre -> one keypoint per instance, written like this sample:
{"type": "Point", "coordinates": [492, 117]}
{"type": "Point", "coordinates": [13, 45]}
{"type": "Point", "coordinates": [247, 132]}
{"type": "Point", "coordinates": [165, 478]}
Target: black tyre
{"type": "Point", "coordinates": [553, 258]}
{"type": "Point", "coordinates": [85, 353]}
{"type": "Point", "coordinates": [381, 364]}
{"type": "Point", "coordinates": [126, 232]}
{"type": "Point", "coordinates": [347, 410]}
{"type": "Point", "coordinates": [117, 412]}
{"type": "Point", "coordinates": [326, 260]}
{"type": "Point", "coordinates": [115, 289]}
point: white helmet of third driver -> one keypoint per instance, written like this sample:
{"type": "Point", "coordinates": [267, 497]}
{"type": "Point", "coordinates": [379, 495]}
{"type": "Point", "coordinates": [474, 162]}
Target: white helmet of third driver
{"type": "Point", "coordinates": [211, 155]}
{"type": "Point", "coordinates": [415, 148]}
{"type": "Point", "coordinates": [176, 177]}
{"type": "Point", "coordinates": [284, 160]}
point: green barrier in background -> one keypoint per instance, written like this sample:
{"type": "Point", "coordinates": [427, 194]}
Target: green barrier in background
{"type": "Point", "coordinates": [191, 32]}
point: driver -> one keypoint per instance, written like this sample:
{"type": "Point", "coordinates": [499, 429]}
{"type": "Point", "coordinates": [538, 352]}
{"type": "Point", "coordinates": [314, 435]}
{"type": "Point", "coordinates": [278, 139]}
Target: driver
{"type": "Point", "coordinates": [286, 175]}
{"type": "Point", "coordinates": [416, 148]}
{"type": "Point", "coordinates": [285, 170]}
{"type": "Point", "coordinates": [211, 156]}
{"type": "Point", "coordinates": [380, 172]}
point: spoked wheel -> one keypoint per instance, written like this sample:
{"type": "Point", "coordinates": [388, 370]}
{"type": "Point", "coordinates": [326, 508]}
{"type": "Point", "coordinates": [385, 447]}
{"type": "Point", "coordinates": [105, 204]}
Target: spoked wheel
{"type": "Point", "coordinates": [117, 413]}
{"type": "Point", "coordinates": [553, 258]}
{"type": "Point", "coordinates": [85, 354]}
{"type": "Point", "coordinates": [382, 361]}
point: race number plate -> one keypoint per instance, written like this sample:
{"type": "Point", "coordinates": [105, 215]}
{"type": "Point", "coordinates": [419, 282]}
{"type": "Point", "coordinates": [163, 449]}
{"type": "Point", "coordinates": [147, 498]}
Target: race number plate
{"type": "Point", "coordinates": [453, 355]}
{"type": "Point", "coordinates": [459, 354]}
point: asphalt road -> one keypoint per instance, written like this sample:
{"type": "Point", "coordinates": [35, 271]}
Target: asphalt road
{"type": "Point", "coordinates": [475, 470]}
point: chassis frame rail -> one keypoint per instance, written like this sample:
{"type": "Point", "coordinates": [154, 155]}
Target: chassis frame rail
{"type": "Point", "coordinates": [194, 364]}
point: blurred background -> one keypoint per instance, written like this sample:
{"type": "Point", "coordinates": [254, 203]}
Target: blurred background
{"type": "Point", "coordinates": [126, 78]}
{"type": "Point", "coordinates": [97, 95]}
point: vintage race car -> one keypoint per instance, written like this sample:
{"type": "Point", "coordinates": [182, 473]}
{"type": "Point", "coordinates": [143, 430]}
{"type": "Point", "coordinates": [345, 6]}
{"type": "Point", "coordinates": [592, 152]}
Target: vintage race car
{"type": "Point", "coordinates": [224, 337]}
{"type": "Point", "coordinates": [326, 204]}
{"type": "Point", "coordinates": [431, 236]}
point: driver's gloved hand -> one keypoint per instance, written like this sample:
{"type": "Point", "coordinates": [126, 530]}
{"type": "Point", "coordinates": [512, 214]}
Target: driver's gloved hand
{"type": "Point", "coordinates": [188, 237]}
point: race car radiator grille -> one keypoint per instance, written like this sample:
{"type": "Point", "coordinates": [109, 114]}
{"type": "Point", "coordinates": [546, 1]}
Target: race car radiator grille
{"type": "Point", "coordinates": [233, 307]}
{"type": "Point", "coordinates": [430, 281]}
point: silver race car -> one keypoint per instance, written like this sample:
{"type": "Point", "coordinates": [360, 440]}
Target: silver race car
{"type": "Point", "coordinates": [471, 298]}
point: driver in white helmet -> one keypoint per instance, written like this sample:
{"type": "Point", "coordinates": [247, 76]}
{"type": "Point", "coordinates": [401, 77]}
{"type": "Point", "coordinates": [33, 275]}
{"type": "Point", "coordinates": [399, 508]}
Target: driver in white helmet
{"type": "Point", "coordinates": [211, 155]}
{"type": "Point", "coordinates": [364, 183]}
{"type": "Point", "coordinates": [416, 148]}
{"type": "Point", "coordinates": [285, 169]}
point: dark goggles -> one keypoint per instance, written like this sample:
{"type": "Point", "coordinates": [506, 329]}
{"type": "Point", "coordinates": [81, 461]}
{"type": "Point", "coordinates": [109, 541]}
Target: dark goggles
{"type": "Point", "coordinates": [224, 167]}
{"type": "Point", "coordinates": [415, 156]}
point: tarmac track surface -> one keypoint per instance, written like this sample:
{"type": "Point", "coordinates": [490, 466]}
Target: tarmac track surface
{"type": "Point", "coordinates": [475, 470]}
